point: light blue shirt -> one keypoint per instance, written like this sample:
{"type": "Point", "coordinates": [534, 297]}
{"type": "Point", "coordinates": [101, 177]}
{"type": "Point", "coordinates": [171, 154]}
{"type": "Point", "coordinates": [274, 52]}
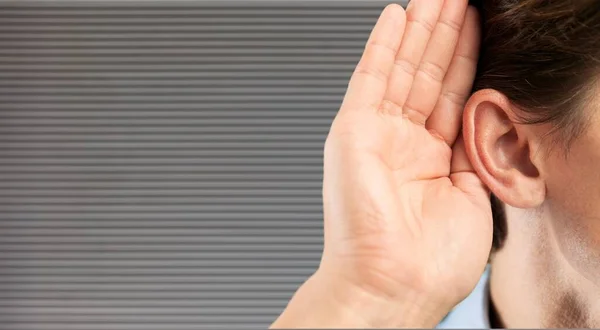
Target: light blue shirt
{"type": "Point", "coordinates": [473, 312]}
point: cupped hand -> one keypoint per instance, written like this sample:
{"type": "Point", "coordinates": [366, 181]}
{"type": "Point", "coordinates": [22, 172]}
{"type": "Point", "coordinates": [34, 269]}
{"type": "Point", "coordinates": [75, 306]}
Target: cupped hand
{"type": "Point", "coordinates": [407, 220]}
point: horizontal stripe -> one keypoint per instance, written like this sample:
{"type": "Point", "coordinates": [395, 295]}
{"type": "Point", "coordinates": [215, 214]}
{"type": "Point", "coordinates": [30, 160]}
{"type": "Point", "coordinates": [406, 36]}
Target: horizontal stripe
{"type": "Point", "coordinates": [161, 162]}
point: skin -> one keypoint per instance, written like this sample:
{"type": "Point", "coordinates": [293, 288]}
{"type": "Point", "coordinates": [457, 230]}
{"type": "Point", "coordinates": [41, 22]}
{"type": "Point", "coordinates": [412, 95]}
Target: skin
{"type": "Point", "coordinates": [408, 225]}
{"type": "Point", "coordinates": [546, 274]}
{"type": "Point", "coordinates": [407, 218]}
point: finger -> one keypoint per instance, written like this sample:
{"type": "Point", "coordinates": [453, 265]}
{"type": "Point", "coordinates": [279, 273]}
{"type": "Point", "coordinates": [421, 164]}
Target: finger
{"type": "Point", "coordinates": [464, 177]}
{"type": "Point", "coordinates": [369, 81]}
{"type": "Point", "coordinates": [432, 69]}
{"type": "Point", "coordinates": [421, 16]}
{"type": "Point", "coordinates": [447, 114]}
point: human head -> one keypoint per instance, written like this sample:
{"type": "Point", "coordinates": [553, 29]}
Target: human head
{"type": "Point", "coordinates": [532, 132]}
{"type": "Point", "coordinates": [543, 59]}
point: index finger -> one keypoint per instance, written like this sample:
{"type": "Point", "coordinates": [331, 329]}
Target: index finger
{"type": "Point", "coordinates": [370, 79]}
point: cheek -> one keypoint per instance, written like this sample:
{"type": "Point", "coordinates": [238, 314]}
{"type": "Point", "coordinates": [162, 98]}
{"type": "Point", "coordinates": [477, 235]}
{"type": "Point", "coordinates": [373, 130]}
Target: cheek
{"type": "Point", "coordinates": [573, 199]}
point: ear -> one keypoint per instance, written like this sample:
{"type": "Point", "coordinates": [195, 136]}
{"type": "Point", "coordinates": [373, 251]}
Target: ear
{"type": "Point", "coordinates": [501, 151]}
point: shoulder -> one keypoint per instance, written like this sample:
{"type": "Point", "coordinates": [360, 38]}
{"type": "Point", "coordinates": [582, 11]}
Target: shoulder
{"type": "Point", "coordinates": [471, 313]}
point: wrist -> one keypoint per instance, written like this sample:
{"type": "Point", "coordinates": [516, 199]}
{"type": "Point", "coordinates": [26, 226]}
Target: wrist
{"type": "Point", "coordinates": [325, 301]}
{"type": "Point", "coordinates": [406, 309]}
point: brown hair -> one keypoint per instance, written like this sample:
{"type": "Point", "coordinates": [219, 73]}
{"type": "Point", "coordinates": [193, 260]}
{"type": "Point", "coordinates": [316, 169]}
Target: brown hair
{"type": "Point", "coordinates": [544, 55]}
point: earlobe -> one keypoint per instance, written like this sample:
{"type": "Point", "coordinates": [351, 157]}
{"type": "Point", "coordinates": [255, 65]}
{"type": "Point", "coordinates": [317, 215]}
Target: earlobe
{"type": "Point", "coordinates": [501, 150]}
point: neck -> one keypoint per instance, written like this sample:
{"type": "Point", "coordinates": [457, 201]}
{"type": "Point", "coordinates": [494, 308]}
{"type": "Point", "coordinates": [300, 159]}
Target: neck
{"type": "Point", "coordinates": [533, 286]}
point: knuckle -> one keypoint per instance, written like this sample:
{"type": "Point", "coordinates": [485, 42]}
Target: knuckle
{"type": "Point", "coordinates": [379, 46]}
{"type": "Point", "coordinates": [406, 66]}
{"type": "Point", "coordinates": [456, 98]}
{"type": "Point", "coordinates": [432, 70]}
{"type": "Point", "coordinates": [389, 107]}
{"type": "Point", "coordinates": [452, 25]}
{"type": "Point", "coordinates": [414, 115]}
{"type": "Point", "coordinates": [424, 24]}
{"type": "Point", "coordinates": [372, 71]}
{"type": "Point", "coordinates": [468, 57]}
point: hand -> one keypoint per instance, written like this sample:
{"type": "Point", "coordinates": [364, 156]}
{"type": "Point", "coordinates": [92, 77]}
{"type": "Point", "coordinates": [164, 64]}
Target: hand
{"type": "Point", "coordinates": [408, 223]}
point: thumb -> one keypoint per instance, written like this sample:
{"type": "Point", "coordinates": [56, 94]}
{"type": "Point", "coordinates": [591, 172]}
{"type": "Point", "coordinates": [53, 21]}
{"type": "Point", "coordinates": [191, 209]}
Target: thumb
{"type": "Point", "coordinates": [465, 178]}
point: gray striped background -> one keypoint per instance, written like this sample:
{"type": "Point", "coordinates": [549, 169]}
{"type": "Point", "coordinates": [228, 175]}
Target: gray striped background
{"type": "Point", "coordinates": [160, 161]}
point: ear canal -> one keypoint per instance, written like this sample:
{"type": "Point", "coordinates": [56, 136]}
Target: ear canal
{"type": "Point", "coordinates": [500, 150]}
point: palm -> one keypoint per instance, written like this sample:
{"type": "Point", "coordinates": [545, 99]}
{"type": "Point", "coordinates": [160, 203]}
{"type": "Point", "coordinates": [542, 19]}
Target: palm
{"type": "Point", "coordinates": [409, 208]}
{"type": "Point", "coordinates": [416, 215]}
